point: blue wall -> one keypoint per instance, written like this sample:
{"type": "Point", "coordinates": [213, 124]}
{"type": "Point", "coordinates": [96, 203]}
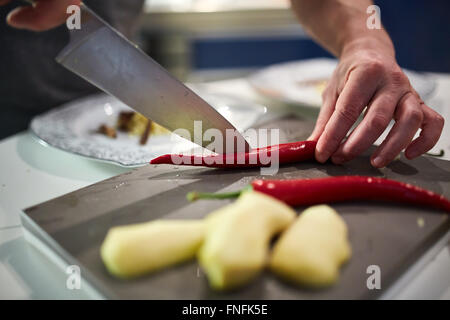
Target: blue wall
{"type": "Point", "coordinates": [248, 52]}
{"type": "Point", "coordinates": [420, 30]}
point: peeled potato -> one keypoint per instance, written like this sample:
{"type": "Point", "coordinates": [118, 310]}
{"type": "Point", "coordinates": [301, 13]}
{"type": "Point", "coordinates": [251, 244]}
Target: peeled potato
{"type": "Point", "coordinates": [133, 250]}
{"type": "Point", "coordinates": [312, 249]}
{"type": "Point", "coordinates": [238, 236]}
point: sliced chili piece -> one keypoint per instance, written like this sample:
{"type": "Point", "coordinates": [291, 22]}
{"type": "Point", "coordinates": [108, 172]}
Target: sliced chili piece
{"type": "Point", "coordinates": [287, 153]}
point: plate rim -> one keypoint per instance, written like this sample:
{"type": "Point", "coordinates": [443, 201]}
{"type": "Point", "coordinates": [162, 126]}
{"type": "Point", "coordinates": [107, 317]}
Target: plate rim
{"type": "Point", "coordinates": [262, 109]}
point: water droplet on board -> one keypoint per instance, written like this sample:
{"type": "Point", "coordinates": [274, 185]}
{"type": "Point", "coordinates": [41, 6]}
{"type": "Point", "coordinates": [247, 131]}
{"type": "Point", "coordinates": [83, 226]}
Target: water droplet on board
{"type": "Point", "coordinates": [117, 186]}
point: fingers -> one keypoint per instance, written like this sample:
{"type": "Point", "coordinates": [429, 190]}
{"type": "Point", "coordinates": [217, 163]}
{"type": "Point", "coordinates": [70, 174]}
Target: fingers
{"type": "Point", "coordinates": [432, 126]}
{"type": "Point", "coordinates": [409, 117]}
{"type": "Point", "coordinates": [389, 95]}
{"type": "Point", "coordinates": [356, 94]}
{"type": "Point", "coordinates": [377, 118]}
{"type": "Point", "coordinates": [44, 15]}
{"type": "Point", "coordinates": [329, 98]}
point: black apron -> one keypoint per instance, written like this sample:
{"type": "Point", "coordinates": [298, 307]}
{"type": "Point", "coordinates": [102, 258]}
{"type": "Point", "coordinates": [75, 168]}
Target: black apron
{"type": "Point", "coordinates": [31, 82]}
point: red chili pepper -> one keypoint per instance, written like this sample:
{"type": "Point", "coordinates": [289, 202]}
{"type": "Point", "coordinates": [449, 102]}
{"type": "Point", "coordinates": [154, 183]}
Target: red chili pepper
{"type": "Point", "coordinates": [287, 153]}
{"type": "Point", "coordinates": [305, 192]}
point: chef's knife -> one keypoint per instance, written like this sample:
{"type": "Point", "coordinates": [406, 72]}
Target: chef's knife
{"type": "Point", "coordinates": [104, 57]}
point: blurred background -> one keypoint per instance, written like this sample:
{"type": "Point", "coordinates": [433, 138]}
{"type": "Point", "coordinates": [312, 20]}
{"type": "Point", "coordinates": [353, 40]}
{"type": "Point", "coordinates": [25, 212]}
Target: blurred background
{"type": "Point", "coordinates": [196, 38]}
{"type": "Point", "coordinates": [202, 41]}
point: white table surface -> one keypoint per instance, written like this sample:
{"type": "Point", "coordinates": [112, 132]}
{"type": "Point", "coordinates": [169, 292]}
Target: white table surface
{"type": "Point", "coordinates": [31, 173]}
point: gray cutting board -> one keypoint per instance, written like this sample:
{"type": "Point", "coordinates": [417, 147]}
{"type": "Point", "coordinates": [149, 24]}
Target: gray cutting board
{"type": "Point", "coordinates": [386, 235]}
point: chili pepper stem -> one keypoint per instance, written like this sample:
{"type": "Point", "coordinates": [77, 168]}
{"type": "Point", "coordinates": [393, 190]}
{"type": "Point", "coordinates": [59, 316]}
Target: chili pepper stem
{"type": "Point", "coordinates": [194, 195]}
{"type": "Point", "coordinates": [440, 154]}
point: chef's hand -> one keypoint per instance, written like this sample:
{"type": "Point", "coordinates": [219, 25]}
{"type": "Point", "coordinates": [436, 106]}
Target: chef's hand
{"type": "Point", "coordinates": [368, 75]}
{"type": "Point", "coordinates": [43, 15]}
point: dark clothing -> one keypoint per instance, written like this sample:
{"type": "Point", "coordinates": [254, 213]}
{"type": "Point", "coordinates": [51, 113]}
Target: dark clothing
{"type": "Point", "coordinates": [31, 81]}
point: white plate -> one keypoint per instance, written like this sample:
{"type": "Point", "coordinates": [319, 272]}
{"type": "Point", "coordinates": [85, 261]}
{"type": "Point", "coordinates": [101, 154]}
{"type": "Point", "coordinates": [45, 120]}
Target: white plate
{"type": "Point", "coordinates": [72, 127]}
{"type": "Point", "coordinates": [297, 82]}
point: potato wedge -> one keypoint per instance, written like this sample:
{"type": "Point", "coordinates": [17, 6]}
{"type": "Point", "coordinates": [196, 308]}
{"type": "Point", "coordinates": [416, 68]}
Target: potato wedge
{"type": "Point", "coordinates": [313, 248]}
{"type": "Point", "coordinates": [133, 250]}
{"type": "Point", "coordinates": [238, 236]}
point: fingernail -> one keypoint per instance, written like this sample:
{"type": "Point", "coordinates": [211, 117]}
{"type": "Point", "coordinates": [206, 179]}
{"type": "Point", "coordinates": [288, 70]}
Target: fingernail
{"type": "Point", "coordinates": [321, 157]}
{"type": "Point", "coordinates": [312, 137]}
{"type": "Point", "coordinates": [377, 162]}
{"type": "Point", "coordinates": [319, 154]}
{"type": "Point", "coordinates": [8, 17]}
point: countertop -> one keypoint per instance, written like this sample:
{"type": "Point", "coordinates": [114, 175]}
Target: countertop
{"type": "Point", "coordinates": [32, 173]}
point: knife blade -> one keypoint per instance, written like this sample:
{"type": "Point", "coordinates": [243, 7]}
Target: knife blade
{"type": "Point", "coordinates": [104, 57]}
